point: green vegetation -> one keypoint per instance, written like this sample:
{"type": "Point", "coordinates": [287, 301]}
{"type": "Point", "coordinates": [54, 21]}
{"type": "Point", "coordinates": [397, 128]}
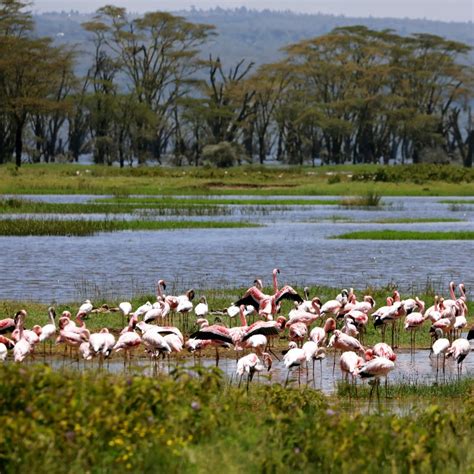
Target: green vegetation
{"type": "Point", "coordinates": [390, 234]}
{"type": "Point", "coordinates": [20, 227]}
{"type": "Point", "coordinates": [457, 201]}
{"type": "Point", "coordinates": [192, 422]}
{"type": "Point", "coordinates": [407, 220]}
{"type": "Point", "coordinates": [242, 180]}
{"type": "Point", "coordinates": [369, 199]}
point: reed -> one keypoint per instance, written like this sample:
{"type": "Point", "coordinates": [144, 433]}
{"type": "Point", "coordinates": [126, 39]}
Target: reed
{"type": "Point", "coordinates": [370, 199]}
{"type": "Point", "coordinates": [58, 227]}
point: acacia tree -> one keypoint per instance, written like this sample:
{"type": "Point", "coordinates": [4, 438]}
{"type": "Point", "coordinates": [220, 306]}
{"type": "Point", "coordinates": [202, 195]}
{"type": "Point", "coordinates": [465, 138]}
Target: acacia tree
{"type": "Point", "coordinates": [157, 55]}
{"type": "Point", "coordinates": [31, 72]}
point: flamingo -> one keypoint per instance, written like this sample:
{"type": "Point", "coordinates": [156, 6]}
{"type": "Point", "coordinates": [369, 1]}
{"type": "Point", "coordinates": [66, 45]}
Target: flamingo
{"type": "Point", "coordinates": [185, 305]}
{"type": "Point", "coordinates": [295, 357]}
{"type": "Point", "coordinates": [301, 315]}
{"type": "Point", "coordinates": [160, 309]}
{"type": "Point", "coordinates": [381, 349]}
{"type": "Point", "coordinates": [344, 342]}
{"type": "Point", "coordinates": [440, 346]}
{"type": "Point", "coordinates": [48, 331]}
{"type": "Point", "coordinates": [298, 332]}
{"type": "Point", "coordinates": [125, 308]}
{"type": "Point", "coordinates": [7, 325]}
{"type": "Point", "coordinates": [268, 306]}
{"type": "Point", "coordinates": [313, 353]}
{"type": "Point", "coordinates": [388, 314]}
{"type": "Point", "coordinates": [349, 327]}
{"type": "Point", "coordinates": [319, 335]}
{"type": "Point", "coordinates": [219, 335]}
{"type": "Point", "coordinates": [128, 340]}
{"type": "Point", "coordinates": [376, 368]}
{"type": "Point", "coordinates": [201, 308]}
{"type": "Point", "coordinates": [310, 306]}
{"type": "Point", "coordinates": [365, 306]}
{"type": "Point", "coordinates": [154, 342]}
{"type": "Point", "coordinates": [250, 364]}
{"type": "Point", "coordinates": [102, 343]}
{"type": "Point", "coordinates": [459, 350]}
{"type": "Point", "coordinates": [413, 321]}
{"type": "Point", "coordinates": [350, 363]}
{"type": "Point", "coordinates": [85, 308]}
{"type": "Point", "coordinates": [143, 309]}
{"type": "Point", "coordinates": [5, 344]}
{"type": "Point", "coordinates": [23, 348]}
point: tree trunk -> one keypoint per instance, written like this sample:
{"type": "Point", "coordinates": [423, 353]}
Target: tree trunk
{"type": "Point", "coordinates": [19, 141]}
{"type": "Point", "coordinates": [470, 150]}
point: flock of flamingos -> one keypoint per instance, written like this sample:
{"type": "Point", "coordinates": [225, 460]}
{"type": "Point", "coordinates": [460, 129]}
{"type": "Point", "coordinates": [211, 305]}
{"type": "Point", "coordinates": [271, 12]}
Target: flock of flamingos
{"type": "Point", "coordinates": [312, 328]}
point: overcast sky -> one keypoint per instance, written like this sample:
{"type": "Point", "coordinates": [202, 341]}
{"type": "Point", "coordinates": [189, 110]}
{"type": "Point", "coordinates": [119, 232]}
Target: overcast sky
{"type": "Point", "coordinates": [444, 10]}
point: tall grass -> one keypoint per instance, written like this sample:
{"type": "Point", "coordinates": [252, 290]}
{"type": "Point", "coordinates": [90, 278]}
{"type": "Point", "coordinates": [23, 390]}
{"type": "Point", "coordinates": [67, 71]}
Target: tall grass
{"type": "Point", "coordinates": [57, 227]}
{"type": "Point", "coordinates": [193, 422]}
{"type": "Point", "coordinates": [371, 199]}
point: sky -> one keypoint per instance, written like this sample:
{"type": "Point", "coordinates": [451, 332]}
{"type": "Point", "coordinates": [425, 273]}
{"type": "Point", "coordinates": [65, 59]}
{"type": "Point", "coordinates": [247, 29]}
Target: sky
{"type": "Point", "coordinates": [443, 10]}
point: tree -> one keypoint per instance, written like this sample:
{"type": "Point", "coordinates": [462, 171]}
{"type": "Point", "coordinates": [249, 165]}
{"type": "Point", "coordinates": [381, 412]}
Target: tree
{"type": "Point", "coordinates": [158, 55]}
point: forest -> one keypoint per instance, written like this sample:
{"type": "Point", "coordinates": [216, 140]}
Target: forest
{"type": "Point", "coordinates": [153, 89]}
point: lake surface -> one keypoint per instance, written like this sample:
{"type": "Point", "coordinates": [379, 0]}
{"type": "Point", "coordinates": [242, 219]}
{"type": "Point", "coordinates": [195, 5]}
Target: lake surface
{"type": "Point", "coordinates": [293, 238]}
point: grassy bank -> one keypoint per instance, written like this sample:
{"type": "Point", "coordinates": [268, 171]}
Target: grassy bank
{"type": "Point", "coordinates": [193, 422]}
{"type": "Point", "coordinates": [57, 227]}
{"type": "Point", "coordinates": [416, 180]}
{"type": "Point", "coordinates": [406, 235]}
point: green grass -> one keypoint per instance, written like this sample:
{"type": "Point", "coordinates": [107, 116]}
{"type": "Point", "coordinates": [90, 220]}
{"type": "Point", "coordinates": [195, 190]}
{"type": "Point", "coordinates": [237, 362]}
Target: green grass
{"type": "Point", "coordinates": [408, 220]}
{"type": "Point", "coordinates": [406, 235]}
{"type": "Point", "coordinates": [194, 422]}
{"type": "Point", "coordinates": [57, 227]}
{"type": "Point", "coordinates": [419, 180]}
{"type": "Point", "coordinates": [457, 201]}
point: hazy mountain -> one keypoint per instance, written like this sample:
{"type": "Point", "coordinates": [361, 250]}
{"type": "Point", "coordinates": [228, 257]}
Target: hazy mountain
{"type": "Point", "coordinates": [257, 36]}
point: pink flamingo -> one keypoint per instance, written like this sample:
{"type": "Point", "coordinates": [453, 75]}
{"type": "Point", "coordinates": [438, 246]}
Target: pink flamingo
{"type": "Point", "coordinates": [294, 357]}
{"type": "Point", "coordinates": [5, 344]}
{"type": "Point", "coordinates": [218, 335]}
{"type": "Point", "coordinates": [23, 348]}
{"type": "Point", "coordinates": [319, 335]}
{"type": "Point", "coordinates": [381, 349]}
{"type": "Point", "coordinates": [7, 325]}
{"type": "Point", "coordinates": [459, 350]}
{"type": "Point", "coordinates": [250, 364]}
{"type": "Point", "coordinates": [376, 368]}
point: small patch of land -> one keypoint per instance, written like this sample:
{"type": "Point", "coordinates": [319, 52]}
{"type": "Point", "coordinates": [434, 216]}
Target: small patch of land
{"type": "Point", "coordinates": [390, 234]}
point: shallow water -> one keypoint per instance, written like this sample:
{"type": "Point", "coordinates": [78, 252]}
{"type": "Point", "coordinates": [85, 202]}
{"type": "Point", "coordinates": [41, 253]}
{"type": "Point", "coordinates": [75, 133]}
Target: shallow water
{"type": "Point", "coordinates": [295, 239]}
{"type": "Point", "coordinates": [415, 369]}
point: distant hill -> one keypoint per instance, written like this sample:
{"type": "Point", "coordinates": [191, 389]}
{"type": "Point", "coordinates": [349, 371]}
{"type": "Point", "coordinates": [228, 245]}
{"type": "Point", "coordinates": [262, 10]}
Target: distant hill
{"type": "Point", "coordinates": [256, 35]}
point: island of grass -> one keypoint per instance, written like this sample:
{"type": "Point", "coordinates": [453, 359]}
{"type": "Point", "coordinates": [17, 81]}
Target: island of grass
{"type": "Point", "coordinates": [58, 227]}
{"type": "Point", "coordinates": [390, 234]}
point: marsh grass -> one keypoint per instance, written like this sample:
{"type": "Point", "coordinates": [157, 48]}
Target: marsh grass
{"type": "Point", "coordinates": [57, 227]}
{"type": "Point", "coordinates": [390, 234]}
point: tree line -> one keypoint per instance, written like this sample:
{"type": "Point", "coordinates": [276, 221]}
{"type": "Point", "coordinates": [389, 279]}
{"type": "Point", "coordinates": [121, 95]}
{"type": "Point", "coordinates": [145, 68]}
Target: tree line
{"type": "Point", "coordinates": [151, 91]}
